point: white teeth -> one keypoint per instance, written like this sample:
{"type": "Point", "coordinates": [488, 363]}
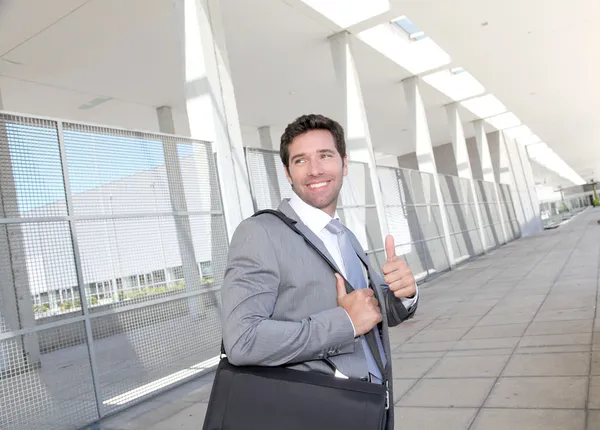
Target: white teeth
{"type": "Point", "coordinates": [319, 185]}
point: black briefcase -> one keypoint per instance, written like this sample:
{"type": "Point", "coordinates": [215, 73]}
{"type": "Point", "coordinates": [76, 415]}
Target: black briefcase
{"type": "Point", "coordinates": [279, 398]}
{"type": "Point", "coordinates": [263, 398]}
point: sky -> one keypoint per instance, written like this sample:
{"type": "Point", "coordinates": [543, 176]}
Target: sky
{"type": "Point", "coordinates": [93, 160]}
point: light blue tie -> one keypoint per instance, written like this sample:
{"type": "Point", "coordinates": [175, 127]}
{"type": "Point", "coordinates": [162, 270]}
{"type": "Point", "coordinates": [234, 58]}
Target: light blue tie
{"type": "Point", "coordinates": [356, 278]}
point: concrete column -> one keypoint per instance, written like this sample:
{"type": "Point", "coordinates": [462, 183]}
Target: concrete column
{"type": "Point", "coordinates": [210, 101]}
{"type": "Point", "coordinates": [536, 224]}
{"type": "Point", "coordinates": [419, 134]}
{"type": "Point", "coordinates": [463, 163]}
{"type": "Point", "coordinates": [16, 306]}
{"type": "Point", "coordinates": [189, 261]}
{"type": "Point", "coordinates": [360, 146]}
{"type": "Point", "coordinates": [528, 220]}
{"type": "Point", "coordinates": [488, 169]}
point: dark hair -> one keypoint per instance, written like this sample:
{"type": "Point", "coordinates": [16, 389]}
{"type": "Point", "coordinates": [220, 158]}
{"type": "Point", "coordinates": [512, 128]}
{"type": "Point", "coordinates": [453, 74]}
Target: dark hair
{"type": "Point", "coordinates": [307, 123]}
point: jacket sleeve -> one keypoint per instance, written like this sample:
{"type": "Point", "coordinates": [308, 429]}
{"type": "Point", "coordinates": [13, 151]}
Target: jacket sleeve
{"type": "Point", "coordinates": [249, 293]}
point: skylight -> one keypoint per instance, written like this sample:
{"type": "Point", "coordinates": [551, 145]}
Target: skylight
{"type": "Point", "coordinates": [485, 106]}
{"type": "Point", "coordinates": [414, 32]}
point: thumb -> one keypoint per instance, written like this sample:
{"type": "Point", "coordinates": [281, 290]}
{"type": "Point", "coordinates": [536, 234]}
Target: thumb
{"type": "Point", "coordinates": [390, 248]}
{"type": "Point", "coordinates": [340, 285]}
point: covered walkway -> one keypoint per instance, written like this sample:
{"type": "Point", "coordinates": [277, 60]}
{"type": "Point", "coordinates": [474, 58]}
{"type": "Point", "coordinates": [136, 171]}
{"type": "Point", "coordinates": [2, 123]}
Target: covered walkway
{"type": "Point", "coordinates": [506, 341]}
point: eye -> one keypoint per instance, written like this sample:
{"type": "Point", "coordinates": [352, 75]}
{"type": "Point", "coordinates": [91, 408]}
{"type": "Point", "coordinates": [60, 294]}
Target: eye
{"type": "Point", "coordinates": [299, 160]}
{"type": "Point", "coordinates": [326, 155]}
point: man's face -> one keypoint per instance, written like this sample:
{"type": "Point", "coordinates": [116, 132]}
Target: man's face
{"type": "Point", "coordinates": [316, 169]}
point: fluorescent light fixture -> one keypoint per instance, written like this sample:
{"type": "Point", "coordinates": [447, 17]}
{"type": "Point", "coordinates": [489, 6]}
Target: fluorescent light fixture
{"type": "Point", "coordinates": [94, 102]}
{"type": "Point", "coordinates": [503, 121]}
{"type": "Point", "coordinates": [545, 156]}
{"type": "Point", "coordinates": [394, 43]}
{"type": "Point", "coordinates": [153, 386]}
{"type": "Point", "coordinates": [346, 13]}
{"type": "Point", "coordinates": [485, 106]}
{"type": "Point", "coordinates": [457, 86]}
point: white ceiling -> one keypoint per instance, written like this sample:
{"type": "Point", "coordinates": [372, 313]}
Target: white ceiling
{"type": "Point", "coordinates": [539, 57]}
{"type": "Point", "coordinates": [71, 51]}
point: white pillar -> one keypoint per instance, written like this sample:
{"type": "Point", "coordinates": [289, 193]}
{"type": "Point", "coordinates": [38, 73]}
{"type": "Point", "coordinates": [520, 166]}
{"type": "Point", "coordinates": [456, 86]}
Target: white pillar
{"type": "Point", "coordinates": [419, 134]}
{"type": "Point", "coordinates": [535, 224]}
{"type": "Point", "coordinates": [487, 168]}
{"type": "Point", "coordinates": [358, 137]}
{"type": "Point", "coordinates": [271, 164]}
{"type": "Point", "coordinates": [189, 261]}
{"type": "Point", "coordinates": [210, 101]}
{"type": "Point", "coordinates": [463, 163]}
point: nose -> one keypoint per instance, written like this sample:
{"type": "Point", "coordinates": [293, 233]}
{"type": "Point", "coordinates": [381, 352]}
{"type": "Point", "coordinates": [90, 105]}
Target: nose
{"type": "Point", "coordinates": [316, 168]}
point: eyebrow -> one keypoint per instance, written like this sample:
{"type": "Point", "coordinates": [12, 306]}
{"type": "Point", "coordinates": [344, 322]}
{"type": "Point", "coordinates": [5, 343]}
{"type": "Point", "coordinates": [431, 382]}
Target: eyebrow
{"type": "Point", "coordinates": [320, 151]}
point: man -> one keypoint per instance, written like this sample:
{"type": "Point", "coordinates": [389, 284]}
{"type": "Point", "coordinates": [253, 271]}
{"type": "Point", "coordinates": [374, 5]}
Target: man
{"type": "Point", "coordinates": [282, 303]}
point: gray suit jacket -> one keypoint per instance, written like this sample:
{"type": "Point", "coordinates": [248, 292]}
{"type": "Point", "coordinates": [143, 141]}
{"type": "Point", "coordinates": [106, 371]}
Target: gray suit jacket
{"type": "Point", "coordinates": [280, 302]}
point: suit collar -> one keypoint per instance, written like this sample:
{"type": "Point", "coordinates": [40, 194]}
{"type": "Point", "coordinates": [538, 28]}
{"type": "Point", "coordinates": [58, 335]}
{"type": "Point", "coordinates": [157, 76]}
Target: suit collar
{"type": "Point", "coordinates": [286, 208]}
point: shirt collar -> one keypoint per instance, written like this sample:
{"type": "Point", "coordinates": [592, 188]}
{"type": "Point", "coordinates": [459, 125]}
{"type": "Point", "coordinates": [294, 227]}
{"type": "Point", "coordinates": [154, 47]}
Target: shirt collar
{"type": "Point", "coordinates": [315, 219]}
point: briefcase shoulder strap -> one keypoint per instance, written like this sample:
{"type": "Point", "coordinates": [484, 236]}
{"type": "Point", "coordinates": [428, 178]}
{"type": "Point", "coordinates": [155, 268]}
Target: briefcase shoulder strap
{"type": "Point", "coordinates": [370, 336]}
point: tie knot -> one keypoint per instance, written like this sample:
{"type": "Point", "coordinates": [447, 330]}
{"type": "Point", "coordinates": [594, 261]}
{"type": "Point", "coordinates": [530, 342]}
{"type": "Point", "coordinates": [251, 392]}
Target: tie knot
{"type": "Point", "coordinates": [335, 226]}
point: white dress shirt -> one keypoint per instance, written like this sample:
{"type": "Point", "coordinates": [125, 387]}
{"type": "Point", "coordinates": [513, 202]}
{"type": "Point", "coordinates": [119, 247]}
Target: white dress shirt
{"type": "Point", "coordinates": [316, 220]}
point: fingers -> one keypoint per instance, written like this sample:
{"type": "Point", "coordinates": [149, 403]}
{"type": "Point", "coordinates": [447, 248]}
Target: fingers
{"type": "Point", "coordinates": [390, 248]}
{"type": "Point", "coordinates": [340, 286]}
{"type": "Point", "coordinates": [396, 276]}
{"type": "Point", "coordinates": [408, 291]}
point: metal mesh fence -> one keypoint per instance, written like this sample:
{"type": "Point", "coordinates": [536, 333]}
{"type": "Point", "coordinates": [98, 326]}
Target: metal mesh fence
{"type": "Point", "coordinates": [490, 213]}
{"type": "Point", "coordinates": [414, 219]}
{"type": "Point", "coordinates": [511, 223]}
{"type": "Point", "coordinates": [112, 251]}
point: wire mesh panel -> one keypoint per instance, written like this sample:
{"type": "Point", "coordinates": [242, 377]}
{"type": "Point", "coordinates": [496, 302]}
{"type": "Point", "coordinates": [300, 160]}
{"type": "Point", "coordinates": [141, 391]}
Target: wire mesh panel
{"type": "Point", "coordinates": [414, 219]}
{"type": "Point", "coordinates": [462, 218]}
{"type": "Point", "coordinates": [112, 251]}
{"type": "Point", "coordinates": [268, 182]}
{"type": "Point", "coordinates": [511, 223]}
{"type": "Point", "coordinates": [490, 213]}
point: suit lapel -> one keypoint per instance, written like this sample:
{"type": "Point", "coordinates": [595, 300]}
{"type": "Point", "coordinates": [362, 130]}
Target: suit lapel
{"type": "Point", "coordinates": [287, 210]}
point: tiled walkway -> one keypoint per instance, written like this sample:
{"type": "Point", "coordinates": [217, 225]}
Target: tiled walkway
{"type": "Point", "coordinates": [507, 341]}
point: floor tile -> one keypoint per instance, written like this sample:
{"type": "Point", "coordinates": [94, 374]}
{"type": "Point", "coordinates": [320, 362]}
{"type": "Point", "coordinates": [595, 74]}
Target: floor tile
{"type": "Point", "coordinates": [401, 386]}
{"type": "Point", "coordinates": [433, 418]}
{"type": "Point", "coordinates": [529, 419]}
{"type": "Point", "coordinates": [496, 331]}
{"type": "Point", "coordinates": [438, 335]}
{"type": "Point", "coordinates": [463, 367]}
{"type": "Point", "coordinates": [487, 343]}
{"type": "Point", "coordinates": [446, 323]}
{"type": "Point", "coordinates": [523, 317]}
{"type": "Point", "coordinates": [557, 339]}
{"type": "Point", "coordinates": [559, 327]}
{"type": "Point", "coordinates": [594, 399]}
{"type": "Point", "coordinates": [412, 367]}
{"type": "Point", "coordinates": [557, 364]}
{"type": "Point", "coordinates": [539, 392]}
{"type": "Point", "coordinates": [593, 420]}
{"type": "Point", "coordinates": [426, 347]}
{"type": "Point", "coordinates": [448, 392]}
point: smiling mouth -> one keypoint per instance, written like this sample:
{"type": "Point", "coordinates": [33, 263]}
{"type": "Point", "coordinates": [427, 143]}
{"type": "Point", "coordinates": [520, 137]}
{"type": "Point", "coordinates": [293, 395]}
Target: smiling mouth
{"type": "Point", "coordinates": [318, 185]}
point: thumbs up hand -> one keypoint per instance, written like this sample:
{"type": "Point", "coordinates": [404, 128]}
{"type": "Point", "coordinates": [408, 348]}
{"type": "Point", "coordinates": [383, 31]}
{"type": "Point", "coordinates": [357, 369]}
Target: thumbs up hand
{"type": "Point", "coordinates": [396, 272]}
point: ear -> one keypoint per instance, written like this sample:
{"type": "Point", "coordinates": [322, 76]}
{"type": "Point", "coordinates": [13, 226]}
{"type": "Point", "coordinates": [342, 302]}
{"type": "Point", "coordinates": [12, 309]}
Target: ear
{"type": "Point", "coordinates": [345, 163]}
